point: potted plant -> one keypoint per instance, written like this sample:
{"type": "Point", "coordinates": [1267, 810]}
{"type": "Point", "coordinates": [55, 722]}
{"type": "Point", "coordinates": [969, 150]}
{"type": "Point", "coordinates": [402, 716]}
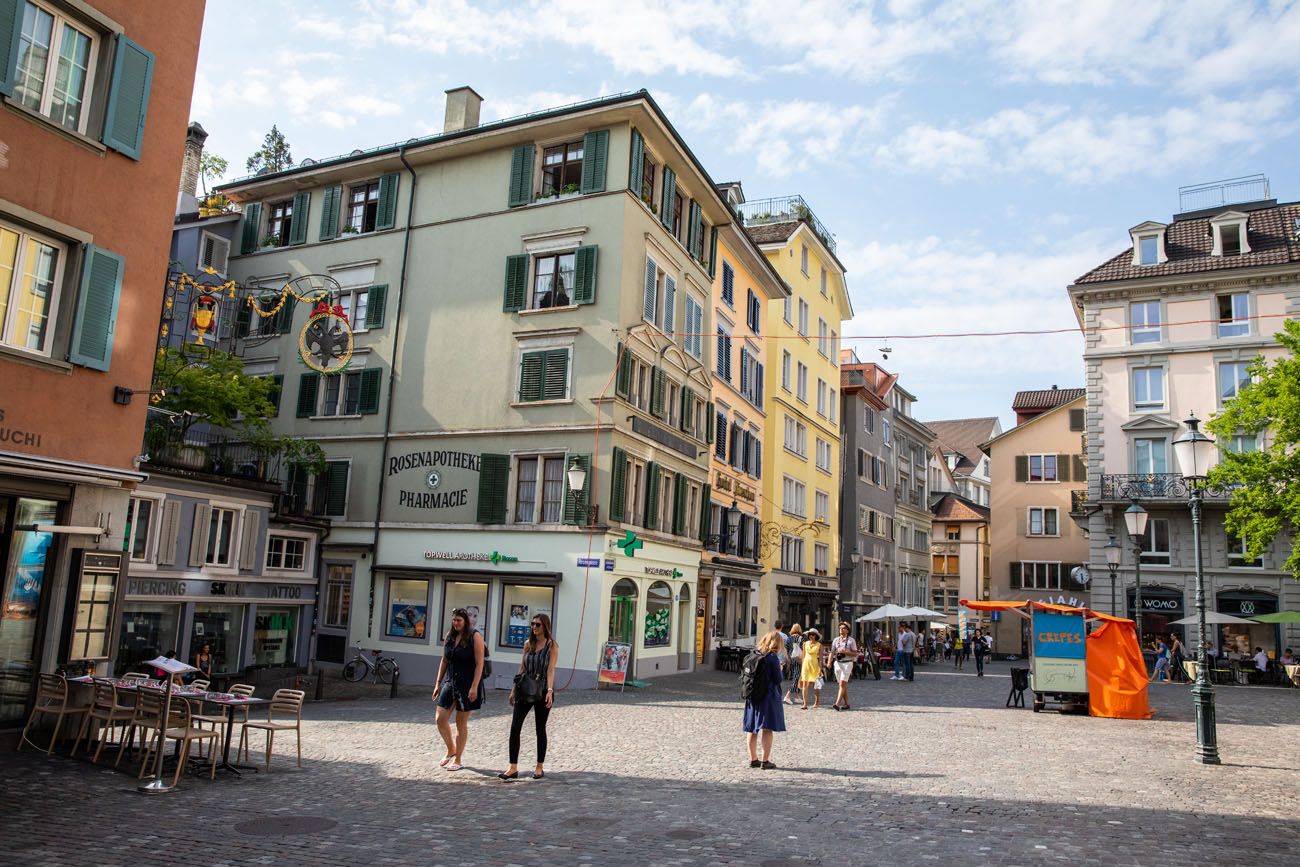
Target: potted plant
{"type": "Point", "coordinates": [569, 189]}
{"type": "Point", "coordinates": [270, 241]}
{"type": "Point", "coordinates": [349, 229]}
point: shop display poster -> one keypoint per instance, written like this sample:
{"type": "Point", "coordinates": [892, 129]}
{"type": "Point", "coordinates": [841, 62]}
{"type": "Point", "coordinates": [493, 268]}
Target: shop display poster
{"type": "Point", "coordinates": [614, 658]}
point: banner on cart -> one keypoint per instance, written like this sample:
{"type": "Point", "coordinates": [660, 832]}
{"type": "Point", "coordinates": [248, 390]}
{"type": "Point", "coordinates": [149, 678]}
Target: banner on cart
{"type": "Point", "coordinates": [1058, 636]}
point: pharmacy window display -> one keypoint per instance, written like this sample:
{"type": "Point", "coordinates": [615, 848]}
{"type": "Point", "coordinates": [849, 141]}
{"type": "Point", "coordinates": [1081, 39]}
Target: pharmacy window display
{"type": "Point", "coordinates": [519, 604]}
{"type": "Point", "coordinates": [470, 595]}
{"type": "Point", "coordinates": [658, 615]}
{"type": "Point", "coordinates": [407, 609]}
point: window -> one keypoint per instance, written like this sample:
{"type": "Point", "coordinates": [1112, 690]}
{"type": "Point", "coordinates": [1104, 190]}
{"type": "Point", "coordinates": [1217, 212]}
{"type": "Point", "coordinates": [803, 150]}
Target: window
{"type": "Point", "coordinates": [868, 419]}
{"type": "Point", "coordinates": [694, 339]}
{"type": "Point", "coordinates": [879, 471]}
{"type": "Point", "coordinates": [1042, 468]}
{"type": "Point", "coordinates": [1148, 387]}
{"type": "Point", "coordinates": [354, 303]}
{"type": "Point", "coordinates": [279, 222]}
{"type": "Point", "coordinates": [823, 281]}
{"type": "Point", "coordinates": [519, 605]}
{"type": "Point", "coordinates": [341, 395]}
{"type": "Point", "coordinates": [553, 278]}
{"type": "Point", "coordinates": [1234, 314]}
{"type": "Point", "coordinates": [338, 595]}
{"type": "Point", "coordinates": [785, 310]}
{"type": "Point", "coordinates": [407, 614]}
{"type": "Point", "coordinates": [823, 455]}
{"type": "Point", "coordinates": [1233, 377]}
{"type": "Point", "coordinates": [1149, 456]}
{"type": "Point", "coordinates": [753, 311]}
{"type": "Point", "coordinates": [1230, 238]}
{"type": "Point", "coordinates": [794, 497]}
{"type": "Point", "coordinates": [821, 396]}
{"type": "Point", "coordinates": [673, 405]}
{"type": "Point", "coordinates": [1148, 249]}
{"type": "Point", "coordinates": [921, 542]}
{"type": "Point", "coordinates": [1155, 542]}
{"type": "Point", "coordinates": [803, 259]}
{"type": "Point", "coordinates": [822, 506]}
{"type": "Point", "coordinates": [138, 532]}
{"type": "Point", "coordinates": [31, 270]}
{"type": "Point", "coordinates": [1239, 444]}
{"type": "Point", "coordinates": [286, 552]}
{"type": "Point", "coordinates": [724, 353]}
{"type": "Point", "coordinates": [647, 179]}
{"type": "Point", "coordinates": [562, 168]}
{"type": "Point", "coordinates": [1237, 556]}
{"type": "Point", "coordinates": [834, 407]}
{"type": "Point", "coordinates": [214, 253]}
{"type": "Point", "coordinates": [785, 369]}
{"type": "Point", "coordinates": [801, 381]}
{"type": "Point", "coordinates": [728, 285]}
{"type": "Point", "coordinates": [885, 434]}
{"type": "Point", "coordinates": [363, 208]}
{"type": "Point", "coordinates": [221, 533]}
{"type": "Point", "coordinates": [55, 67]}
{"type": "Point", "coordinates": [1043, 522]}
{"type": "Point", "coordinates": [543, 375]}
{"type": "Point", "coordinates": [792, 554]}
{"type": "Point", "coordinates": [823, 338]}
{"type": "Point", "coordinates": [678, 202]}
{"type": "Point", "coordinates": [796, 436]}
{"type": "Point", "coordinates": [667, 498]}
{"type": "Point", "coordinates": [539, 489]}
{"type": "Point", "coordinates": [803, 318]}
{"type": "Point", "coordinates": [821, 558]}
{"type": "Point", "coordinates": [1144, 319]}
{"type": "Point", "coordinates": [1041, 576]}
{"type": "Point", "coordinates": [751, 378]}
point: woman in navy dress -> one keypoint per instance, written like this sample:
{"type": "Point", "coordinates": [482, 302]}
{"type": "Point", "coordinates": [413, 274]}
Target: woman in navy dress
{"type": "Point", "coordinates": [459, 685]}
{"type": "Point", "coordinates": [764, 713]}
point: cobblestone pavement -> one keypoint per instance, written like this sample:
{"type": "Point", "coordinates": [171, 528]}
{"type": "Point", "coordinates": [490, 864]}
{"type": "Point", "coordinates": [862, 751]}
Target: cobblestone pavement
{"type": "Point", "coordinates": [932, 771]}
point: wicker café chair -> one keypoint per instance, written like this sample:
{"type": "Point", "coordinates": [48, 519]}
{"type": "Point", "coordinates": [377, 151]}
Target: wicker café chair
{"type": "Point", "coordinates": [108, 712]}
{"type": "Point", "coordinates": [51, 700]}
{"type": "Point", "coordinates": [286, 702]}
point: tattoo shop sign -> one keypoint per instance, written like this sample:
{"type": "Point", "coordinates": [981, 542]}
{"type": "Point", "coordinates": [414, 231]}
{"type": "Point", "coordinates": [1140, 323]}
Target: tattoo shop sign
{"type": "Point", "coordinates": [432, 485]}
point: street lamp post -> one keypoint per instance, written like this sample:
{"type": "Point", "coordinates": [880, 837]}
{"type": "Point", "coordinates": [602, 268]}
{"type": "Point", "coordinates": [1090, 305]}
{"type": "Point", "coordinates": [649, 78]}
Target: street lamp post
{"type": "Point", "coordinates": [1194, 451]}
{"type": "Point", "coordinates": [1135, 518]}
{"type": "Point", "coordinates": [1114, 553]}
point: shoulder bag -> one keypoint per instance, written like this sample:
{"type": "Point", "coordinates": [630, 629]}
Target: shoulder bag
{"type": "Point", "coordinates": [531, 686]}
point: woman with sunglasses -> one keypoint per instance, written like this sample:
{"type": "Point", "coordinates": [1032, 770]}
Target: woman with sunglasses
{"type": "Point", "coordinates": [534, 690]}
{"type": "Point", "coordinates": [459, 687]}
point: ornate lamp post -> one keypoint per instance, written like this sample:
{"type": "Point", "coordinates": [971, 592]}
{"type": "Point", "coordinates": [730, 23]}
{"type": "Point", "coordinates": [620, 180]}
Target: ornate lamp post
{"type": "Point", "coordinates": [1135, 519]}
{"type": "Point", "coordinates": [1194, 451]}
{"type": "Point", "coordinates": [1114, 553]}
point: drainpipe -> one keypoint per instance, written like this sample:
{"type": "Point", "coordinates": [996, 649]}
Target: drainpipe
{"type": "Point", "coordinates": [392, 383]}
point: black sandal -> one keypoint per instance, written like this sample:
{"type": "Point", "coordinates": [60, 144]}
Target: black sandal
{"type": "Point", "coordinates": [754, 763]}
{"type": "Point", "coordinates": [767, 766]}
{"type": "Point", "coordinates": [504, 776]}
{"type": "Point", "coordinates": [539, 776]}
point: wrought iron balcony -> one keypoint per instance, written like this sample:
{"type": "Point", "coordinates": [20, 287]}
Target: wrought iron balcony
{"type": "Point", "coordinates": [1153, 486]}
{"type": "Point", "coordinates": [212, 454]}
{"type": "Point", "coordinates": [785, 209]}
{"type": "Point", "coordinates": [1078, 502]}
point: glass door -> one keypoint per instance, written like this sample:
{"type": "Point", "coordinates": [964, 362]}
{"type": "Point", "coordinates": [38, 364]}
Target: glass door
{"type": "Point", "coordinates": [24, 582]}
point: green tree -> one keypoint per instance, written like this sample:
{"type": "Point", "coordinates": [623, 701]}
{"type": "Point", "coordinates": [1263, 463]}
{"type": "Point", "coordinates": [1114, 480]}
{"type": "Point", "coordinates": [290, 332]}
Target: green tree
{"type": "Point", "coordinates": [1266, 502]}
{"type": "Point", "coordinates": [273, 155]}
{"type": "Point", "coordinates": [211, 167]}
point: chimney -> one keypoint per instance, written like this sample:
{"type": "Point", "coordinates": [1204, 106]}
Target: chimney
{"type": "Point", "coordinates": [463, 105]}
{"type": "Point", "coordinates": [195, 136]}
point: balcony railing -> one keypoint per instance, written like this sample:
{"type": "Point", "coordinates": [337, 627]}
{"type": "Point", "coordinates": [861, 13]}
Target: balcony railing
{"type": "Point", "coordinates": [1154, 486]}
{"type": "Point", "coordinates": [213, 454]}
{"type": "Point", "coordinates": [785, 209]}
{"type": "Point", "coordinates": [1078, 502]}
{"type": "Point", "coordinates": [1198, 197]}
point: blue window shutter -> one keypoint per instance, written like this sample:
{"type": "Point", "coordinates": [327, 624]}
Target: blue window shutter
{"type": "Point", "coordinates": [101, 286]}
{"type": "Point", "coordinates": [11, 28]}
{"type": "Point", "coordinates": [386, 208]}
{"type": "Point", "coordinates": [128, 98]}
{"type": "Point", "coordinates": [298, 225]}
{"type": "Point", "coordinates": [252, 225]}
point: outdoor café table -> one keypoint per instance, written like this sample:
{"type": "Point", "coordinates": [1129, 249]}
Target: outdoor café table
{"type": "Point", "coordinates": [228, 703]}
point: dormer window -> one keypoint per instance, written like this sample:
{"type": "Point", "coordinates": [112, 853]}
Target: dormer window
{"type": "Point", "coordinates": [1147, 250]}
{"type": "Point", "coordinates": [1148, 244]}
{"type": "Point", "coordinates": [1229, 232]}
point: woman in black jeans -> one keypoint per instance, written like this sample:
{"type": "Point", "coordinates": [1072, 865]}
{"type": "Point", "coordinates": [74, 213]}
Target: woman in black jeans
{"type": "Point", "coordinates": [538, 664]}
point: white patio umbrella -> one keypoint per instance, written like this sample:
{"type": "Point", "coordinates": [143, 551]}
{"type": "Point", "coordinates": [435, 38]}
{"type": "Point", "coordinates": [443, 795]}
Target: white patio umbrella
{"type": "Point", "coordinates": [888, 611]}
{"type": "Point", "coordinates": [920, 611]}
{"type": "Point", "coordinates": [1214, 617]}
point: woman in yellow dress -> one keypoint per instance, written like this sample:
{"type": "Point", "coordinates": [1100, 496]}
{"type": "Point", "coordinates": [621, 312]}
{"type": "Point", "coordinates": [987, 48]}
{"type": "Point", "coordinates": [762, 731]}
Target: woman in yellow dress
{"type": "Point", "coordinates": [811, 675]}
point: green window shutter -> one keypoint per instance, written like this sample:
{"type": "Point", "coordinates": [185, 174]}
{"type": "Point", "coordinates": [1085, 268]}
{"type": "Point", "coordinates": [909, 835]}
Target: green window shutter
{"type": "Point", "coordinates": [375, 306]}
{"type": "Point", "coordinates": [595, 150]}
{"type": "Point", "coordinates": [555, 376]}
{"type": "Point", "coordinates": [706, 493]}
{"type": "Point", "coordinates": [11, 26]}
{"type": "Point", "coordinates": [329, 213]}
{"type": "Point", "coordinates": [369, 398]}
{"type": "Point", "coordinates": [636, 164]}
{"type": "Point", "coordinates": [708, 422]}
{"type": "Point", "coordinates": [1080, 468]}
{"type": "Point", "coordinates": [651, 496]}
{"type": "Point", "coordinates": [531, 368]}
{"type": "Point", "coordinates": [1022, 468]}
{"type": "Point", "coordinates": [521, 176]}
{"type": "Point", "coordinates": [658, 396]}
{"type": "Point", "coordinates": [386, 210]}
{"type": "Point", "coordinates": [584, 291]}
{"type": "Point", "coordinates": [623, 383]}
{"type": "Point", "coordinates": [92, 330]}
{"type": "Point", "coordinates": [697, 249]}
{"type": "Point", "coordinates": [516, 293]}
{"type": "Point", "coordinates": [617, 484]}
{"type": "Point", "coordinates": [284, 319]}
{"type": "Point", "coordinates": [252, 225]}
{"type": "Point", "coordinates": [666, 205]}
{"type": "Point", "coordinates": [679, 504]}
{"type": "Point", "coordinates": [713, 250]}
{"type": "Point", "coordinates": [656, 393]}
{"type": "Point", "coordinates": [1016, 582]}
{"type": "Point", "coordinates": [693, 227]}
{"type": "Point", "coordinates": [128, 98]}
{"type": "Point", "coordinates": [298, 226]}
{"type": "Point", "coordinates": [1077, 419]}
{"type": "Point", "coordinates": [308, 386]}
{"type": "Point", "coordinates": [576, 503]}
{"type": "Point", "coordinates": [1063, 468]}
{"type": "Point", "coordinates": [336, 488]}
{"type": "Point", "coordinates": [493, 482]}
{"type": "Point", "coordinates": [277, 389]}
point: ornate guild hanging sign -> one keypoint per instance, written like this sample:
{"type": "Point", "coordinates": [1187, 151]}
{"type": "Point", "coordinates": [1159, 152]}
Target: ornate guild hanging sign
{"type": "Point", "coordinates": [326, 341]}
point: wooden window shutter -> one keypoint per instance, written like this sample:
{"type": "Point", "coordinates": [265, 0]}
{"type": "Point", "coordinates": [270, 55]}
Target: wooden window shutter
{"type": "Point", "coordinates": [758, 385]}
{"type": "Point", "coordinates": [516, 291]}
{"type": "Point", "coordinates": [11, 25]}
{"type": "Point", "coordinates": [670, 305]}
{"type": "Point", "coordinates": [713, 250]}
{"type": "Point", "coordinates": [706, 494]}
{"type": "Point", "coordinates": [577, 503]}
{"type": "Point", "coordinates": [657, 394]}
{"type": "Point", "coordinates": [595, 149]}
{"type": "Point", "coordinates": [859, 462]}
{"type": "Point", "coordinates": [277, 389]}
{"type": "Point", "coordinates": [1022, 468]}
{"type": "Point", "coordinates": [651, 521]}
{"type": "Point", "coordinates": [649, 301]}
{"type": "Point", "coordinates": [679, 504]}
{"type": "Point", "coordinates": [168, 533]}
{"type": "Point", "coordinates": [584, 278]}
{"type": "Point", "coordinates": [1080, 468]}
{"type": "Point", "coordinates": [284, 319]}
{"type": "Point", "coordinates": [298, 225]}
{"type": "Point", "coordinates": [329, 212]}
{"type": "Point", "coordinates": [684, 411]}
{"type": "Point", "coordinates": [758, 459]}
{"type": "Point", "coordinates": [376, 299]}
{"type": "Point", "coordinates": [1076, 419]}
{"type": "Point", "coordinates": [493, 482]}
{"type": "Point", "coordinates": [555, 375]}
{"type": "Point", "coordinates": [1063, 468]}
{"type": "Point", "coordinates": [1017, 583]}
{"type": "Point", "coordinates": [386, 210]}
{"type": "Point", "coordinates": [199, 534]}
{"type": "Point", "coordinates": [336, 488]}
{"type": "Point", "coordinates": [636, 164]}
{"type": "Point", "coordinates": [708, 422]}
{"type": "Point", "coordinates": [368, 401]}
{"type": "Point", "coordinates": [128, 97]}
{"type": "Point", "coordinates": [1022, 522]}
{"type": "Point", "coordinates": [248, 240]}
{"type": "Point", "coordinates": [96, 318]}
{"type": "Point", "coordinates": [531, 368]}
{"type": "Point", "coordinates": [248, 538]}
{"type": "Point", "coordinates": [617, 484]}
{"type": "Point", "coordinates": [666, 205]}
{"type": "Point", "coordinates": [308, 387]}
{"type": "Point", "coordinates": [521, 176]}
{"type": "Point", "coordinates": [623, 382]}
{"type": "Point", "coordinates": [692, 226]}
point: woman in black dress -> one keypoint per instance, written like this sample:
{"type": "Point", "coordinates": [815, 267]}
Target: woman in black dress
{"type": "Point", "coordinates": [537, 666]}
{"type": "Point", "coordinates": [459, 687]}
{"type": "Point", "coordinates": [764, 713]}
{"type": "Point", "coordinates": [204, 663]}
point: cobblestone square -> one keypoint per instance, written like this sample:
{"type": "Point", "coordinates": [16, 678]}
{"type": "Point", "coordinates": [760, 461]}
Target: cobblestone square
{"type": "Point", "coordinates": [932, 771]}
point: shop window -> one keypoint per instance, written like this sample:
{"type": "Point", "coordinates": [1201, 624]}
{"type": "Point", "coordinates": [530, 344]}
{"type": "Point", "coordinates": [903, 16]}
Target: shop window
{"type": "Point", "coordinates": [338, 594]}
{"type": "Point", "coordinates": [221, 627]}
{"type": "Point", "coordinates": [622, 611]}
{"type": "Point", "coordinates": [286, 552]}
{"type": "Point", "coordinates": [519, 605]}
{"type": "Point", "coordinates": [138, 532]}
{"type": "Point", "coordinates": [407, 612]}
{"type": "Point", "coordinates": [221, 531]}
{"type": "Point", "coordinates": [274, 631]}
{"type": "Point", "coordinates": [22, 599]}
{"type": "Point", "coordinates": [658, 615]}
{"type": "Point", "coordinates": [470, 595]}
{"type": "Point", "coordinates": [148, 630]}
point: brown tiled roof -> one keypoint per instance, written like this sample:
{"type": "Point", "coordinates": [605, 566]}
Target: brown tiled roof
{"type": "Point", "coordinates": [954, 507]}
{"type": "Point", "coordinates": [1271, 233]}
{"type": "Point", "coordinates": [1046, 398]}
{"type": "Point", "coordinates": [772, 233]}
{"type": "Point", "coordinates": [963, 436]}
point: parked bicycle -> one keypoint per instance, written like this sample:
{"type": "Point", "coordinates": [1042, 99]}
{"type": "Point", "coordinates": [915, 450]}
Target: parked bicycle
{"type": "Point", "coordinates": [382, 669]}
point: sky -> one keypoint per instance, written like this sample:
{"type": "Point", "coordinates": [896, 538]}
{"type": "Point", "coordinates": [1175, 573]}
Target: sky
{"type": "Point", "coordinates": [972, 158]}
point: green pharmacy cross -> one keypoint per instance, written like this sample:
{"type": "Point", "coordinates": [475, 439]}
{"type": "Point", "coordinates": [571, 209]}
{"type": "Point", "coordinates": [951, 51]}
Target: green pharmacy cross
{"type": "Point", "coordinates": [630, 544]}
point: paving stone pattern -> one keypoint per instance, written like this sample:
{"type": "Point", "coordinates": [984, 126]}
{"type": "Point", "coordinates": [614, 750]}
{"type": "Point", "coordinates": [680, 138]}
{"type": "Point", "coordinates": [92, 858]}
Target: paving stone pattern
{"type": "Point", "coordinates": [937, 770]}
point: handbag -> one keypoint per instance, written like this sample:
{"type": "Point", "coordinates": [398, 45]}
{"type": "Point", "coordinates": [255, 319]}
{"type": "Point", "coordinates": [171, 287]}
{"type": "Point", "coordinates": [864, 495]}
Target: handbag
{"type": "Point", "coordinates": [529, 687]}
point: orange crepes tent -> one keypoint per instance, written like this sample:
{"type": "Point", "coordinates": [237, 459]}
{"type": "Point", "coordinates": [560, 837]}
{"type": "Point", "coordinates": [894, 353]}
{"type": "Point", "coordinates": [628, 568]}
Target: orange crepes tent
{"type": "Point", "coordinates": [1117, 673]}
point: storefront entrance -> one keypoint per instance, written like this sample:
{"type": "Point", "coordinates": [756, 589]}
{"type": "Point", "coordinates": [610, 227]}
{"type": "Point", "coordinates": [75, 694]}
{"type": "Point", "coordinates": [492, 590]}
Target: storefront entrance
{"type": "Point", "coordinates": [1239, 638]}
{"type": "Point", "coordinates": [622, 612]}
{"type": "Point", "coordinates": [1160, 607]}
{"type": "Point", "coordinates": [26, 557]}
{"type": "Point", "coordinates": [149, 630]}
{"type": "Point", "coordinates": [808, 608]}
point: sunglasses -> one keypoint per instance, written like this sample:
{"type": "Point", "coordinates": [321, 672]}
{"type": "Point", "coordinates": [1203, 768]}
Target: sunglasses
{"type": "Point", "coordinates": [537, 626]}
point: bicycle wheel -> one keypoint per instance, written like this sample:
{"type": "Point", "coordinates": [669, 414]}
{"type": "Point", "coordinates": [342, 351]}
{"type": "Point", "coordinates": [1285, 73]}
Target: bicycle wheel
{"type": "Point", "coordinates": [387, 670]}
{"type": "Point", "coordinates": [354, 671]}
